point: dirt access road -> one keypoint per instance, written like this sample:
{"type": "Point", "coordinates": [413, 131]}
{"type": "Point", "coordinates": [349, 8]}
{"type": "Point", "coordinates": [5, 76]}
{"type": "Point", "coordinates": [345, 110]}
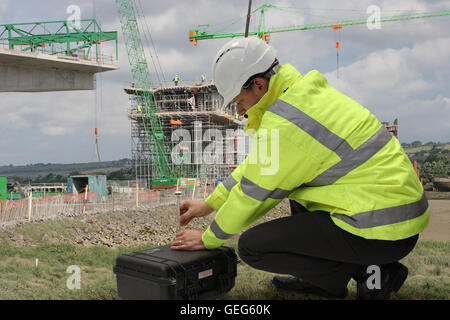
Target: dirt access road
{"type": "Point", "coordinates": [439, 227]}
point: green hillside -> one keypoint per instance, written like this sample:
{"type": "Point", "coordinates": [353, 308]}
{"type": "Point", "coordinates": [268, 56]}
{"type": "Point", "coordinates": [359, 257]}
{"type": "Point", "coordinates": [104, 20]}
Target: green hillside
{"type": "Point", "coordinates": [56, 172]}
{"type": "Point", "coordinates": [433, 159]}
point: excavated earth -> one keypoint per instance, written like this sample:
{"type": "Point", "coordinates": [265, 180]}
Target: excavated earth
{"type": "Point", "coordinates": [118, 229]}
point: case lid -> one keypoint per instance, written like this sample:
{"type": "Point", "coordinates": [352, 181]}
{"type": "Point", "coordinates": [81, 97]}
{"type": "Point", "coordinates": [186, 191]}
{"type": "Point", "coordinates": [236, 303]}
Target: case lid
{"type": "Point", "coordinates": [162, 262]}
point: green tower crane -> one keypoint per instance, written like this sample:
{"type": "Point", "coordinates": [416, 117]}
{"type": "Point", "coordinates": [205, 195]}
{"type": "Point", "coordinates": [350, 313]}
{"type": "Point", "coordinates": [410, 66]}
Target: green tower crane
{"type": "Point", "coordinates": [202, 33]}
{"type": "Point", "coordinates": [141, 78]}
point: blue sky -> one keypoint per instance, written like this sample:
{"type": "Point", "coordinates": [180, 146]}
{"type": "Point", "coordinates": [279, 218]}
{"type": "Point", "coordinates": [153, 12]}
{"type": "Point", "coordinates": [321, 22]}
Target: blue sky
{"type": "Point", "coordinates": [399, 71]}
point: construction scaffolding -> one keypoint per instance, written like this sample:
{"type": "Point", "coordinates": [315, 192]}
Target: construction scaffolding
{"type": "Point", "coordinates": [392, 129]}
{"type": "Point", "coordinates": [200, 137]}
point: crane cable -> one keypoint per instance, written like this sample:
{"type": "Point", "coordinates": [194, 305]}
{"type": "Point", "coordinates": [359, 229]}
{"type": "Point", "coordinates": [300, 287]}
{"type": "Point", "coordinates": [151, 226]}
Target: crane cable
{"type": "Point", "coordinates": [337, 38]}
{"type": "Point", "coordinates": [146, 33]}
{"type": "Point", "coordinates": [98, 95]}
{"type": "Point", "coordinates": [153, 44]}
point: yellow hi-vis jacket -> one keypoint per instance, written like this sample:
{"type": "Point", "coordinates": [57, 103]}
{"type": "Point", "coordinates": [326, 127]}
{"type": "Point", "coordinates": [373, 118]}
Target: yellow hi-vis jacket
{"type": "Point", "coordinates": [322, 149]}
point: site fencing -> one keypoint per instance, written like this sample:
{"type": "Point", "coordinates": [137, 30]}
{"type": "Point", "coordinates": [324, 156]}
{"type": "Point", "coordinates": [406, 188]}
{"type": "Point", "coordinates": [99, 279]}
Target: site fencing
{"type": "Point", "coordinates": [70, 205]}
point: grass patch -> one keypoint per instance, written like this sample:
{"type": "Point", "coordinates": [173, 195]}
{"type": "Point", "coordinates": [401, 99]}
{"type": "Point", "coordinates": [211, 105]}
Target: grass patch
{"type": "Point", "coordinates": [64, 228]}
{"type": "Point", "coordinates": [21, 279]}
{"type": "Point", "coordinates": [429, 272]}
{"type": "Point", "coordinates": [428, 278]}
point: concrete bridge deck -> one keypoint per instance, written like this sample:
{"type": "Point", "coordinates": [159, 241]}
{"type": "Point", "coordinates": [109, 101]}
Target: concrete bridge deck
{"type": "Point", "coordinates": [39, 72]}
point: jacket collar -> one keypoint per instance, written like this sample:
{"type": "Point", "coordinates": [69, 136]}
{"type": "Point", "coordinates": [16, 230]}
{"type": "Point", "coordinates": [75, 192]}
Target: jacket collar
{"type": "Point", "coordinates": [278, 84]}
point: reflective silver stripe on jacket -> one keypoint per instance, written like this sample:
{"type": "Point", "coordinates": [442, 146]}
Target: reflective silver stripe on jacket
{"type": "Point", "coordinates": [229, 183]}
{"type": "Point", "coordinates": [353, 159]}
{"type": "Point", "coordinates": [219, 233]}
{"type": "Point", "coordinates": [350, 158]}
{"type": "Point", "coordinates": [312, 127]}
{"type": "Point", "coordinates": [382, 217]}
{"type": "Point", "coordinates": [256, 192]}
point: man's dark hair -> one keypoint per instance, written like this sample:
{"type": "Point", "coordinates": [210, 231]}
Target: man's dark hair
{"type": "Point", "coordinates": [273, 69]}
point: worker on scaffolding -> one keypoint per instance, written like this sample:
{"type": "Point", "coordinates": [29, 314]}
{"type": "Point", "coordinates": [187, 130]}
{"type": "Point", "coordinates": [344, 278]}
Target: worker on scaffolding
{"type": "Point", "coordinates": [176, 79]}
{"type": "Point", "coordinates": [357, 205]}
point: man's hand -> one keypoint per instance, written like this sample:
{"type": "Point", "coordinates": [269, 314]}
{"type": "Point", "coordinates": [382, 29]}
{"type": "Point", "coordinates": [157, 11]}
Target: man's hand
{"type": "Point", "coordinates": [188, 240]}
{"type": "Point", "coordinates": [193, 208]}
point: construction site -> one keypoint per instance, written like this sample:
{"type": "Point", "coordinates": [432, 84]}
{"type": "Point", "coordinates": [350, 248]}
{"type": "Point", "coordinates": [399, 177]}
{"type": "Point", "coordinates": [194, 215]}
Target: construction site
{"type": "Point", "coordinates": [181, 134]}
{"type": "Point", "coordinates": [171, 124]}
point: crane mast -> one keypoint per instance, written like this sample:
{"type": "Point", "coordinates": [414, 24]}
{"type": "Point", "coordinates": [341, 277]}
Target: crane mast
{"type": "Point", "coordinates": [141, 79]}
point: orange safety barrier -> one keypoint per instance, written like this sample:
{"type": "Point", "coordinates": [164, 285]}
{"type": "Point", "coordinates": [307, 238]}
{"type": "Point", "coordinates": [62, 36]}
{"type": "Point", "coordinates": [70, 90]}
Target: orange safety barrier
{"type": "Point", "coordinates": [78, 196]}
{"type": "Point", "coordinates": [48, 196]}
{"type": "Point", "coordinates": [150, 195]}
{"type": "Point", "coordinates": [23, 203]}
{"type": "Point", "coordinates": [16, 204]}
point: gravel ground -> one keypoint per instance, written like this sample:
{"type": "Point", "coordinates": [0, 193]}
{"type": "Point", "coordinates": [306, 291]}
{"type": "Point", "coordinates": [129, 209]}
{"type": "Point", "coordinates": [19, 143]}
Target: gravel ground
{"type": "Point", "coordinates": [119, 229]}
{"type": "Point", "coordinates": [158, 227]}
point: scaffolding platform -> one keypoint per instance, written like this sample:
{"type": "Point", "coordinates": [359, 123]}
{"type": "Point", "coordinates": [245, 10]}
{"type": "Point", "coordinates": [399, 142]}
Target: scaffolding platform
{"type": "Point", "coordinates": [188, 107]}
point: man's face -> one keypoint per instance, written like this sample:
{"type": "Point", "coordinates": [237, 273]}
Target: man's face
{"type": "Point", "coordinates": [247, 98]}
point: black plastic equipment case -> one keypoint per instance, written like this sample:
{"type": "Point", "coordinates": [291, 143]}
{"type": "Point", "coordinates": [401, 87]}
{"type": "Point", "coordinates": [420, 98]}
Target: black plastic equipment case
{"type": "Point", "coordinates": [165, 274]}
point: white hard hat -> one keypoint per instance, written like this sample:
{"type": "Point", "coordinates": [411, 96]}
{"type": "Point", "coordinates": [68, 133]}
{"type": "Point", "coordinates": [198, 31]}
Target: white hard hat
{"type": "Point", "coordinates": [237, 61]}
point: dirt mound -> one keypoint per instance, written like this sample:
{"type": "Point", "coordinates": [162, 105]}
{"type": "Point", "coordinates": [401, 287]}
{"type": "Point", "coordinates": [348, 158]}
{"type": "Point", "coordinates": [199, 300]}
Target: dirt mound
{"type": "Point", "coordinates": [159, 226]}
{"type": "Point", "coordinates": [125, 229]}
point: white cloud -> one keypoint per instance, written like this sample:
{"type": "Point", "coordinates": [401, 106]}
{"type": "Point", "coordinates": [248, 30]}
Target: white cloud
{"type": "Point", "coordinates": [3, 6]}
{"type": "Point", "coordinates": [407, 83]}
{"type": "Point", "coordinates": [52, 130]}
{"type": "Point", "coordinates": [426, 120]}
{"type": "Point", "coordinates": [396, 70]}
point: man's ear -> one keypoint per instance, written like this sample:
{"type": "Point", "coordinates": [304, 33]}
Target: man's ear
{"type": "Point", "coordinates": [261, 84]}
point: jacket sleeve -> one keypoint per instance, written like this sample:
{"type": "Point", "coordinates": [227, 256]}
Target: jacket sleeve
{"type": "Point", "coordinates": [220, 194]}
{"type": "Point", "coordinates": [274, 168]}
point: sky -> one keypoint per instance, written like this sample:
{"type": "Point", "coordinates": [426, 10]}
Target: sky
{"type": "Point", "coordinates": [400, 70]}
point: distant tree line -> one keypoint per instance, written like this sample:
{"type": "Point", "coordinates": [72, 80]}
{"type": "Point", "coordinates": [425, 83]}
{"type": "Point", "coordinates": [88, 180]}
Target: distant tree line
{"type": "Point", "coordinates": [416, 144]}
{"type": "Point", "coordinates": [127, 173]}
{"type": "Point", "coordinates": [433, 162]}
{"type": "Point", "coordinates": [436, 165]}
{"type": "Point", "coordinates": [41, 179]}
{"type": "Point", "coordinates": [61, 169]}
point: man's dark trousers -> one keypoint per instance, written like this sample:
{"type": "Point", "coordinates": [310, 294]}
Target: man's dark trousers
{"type": "Point", "coordinates": [308, 245]}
